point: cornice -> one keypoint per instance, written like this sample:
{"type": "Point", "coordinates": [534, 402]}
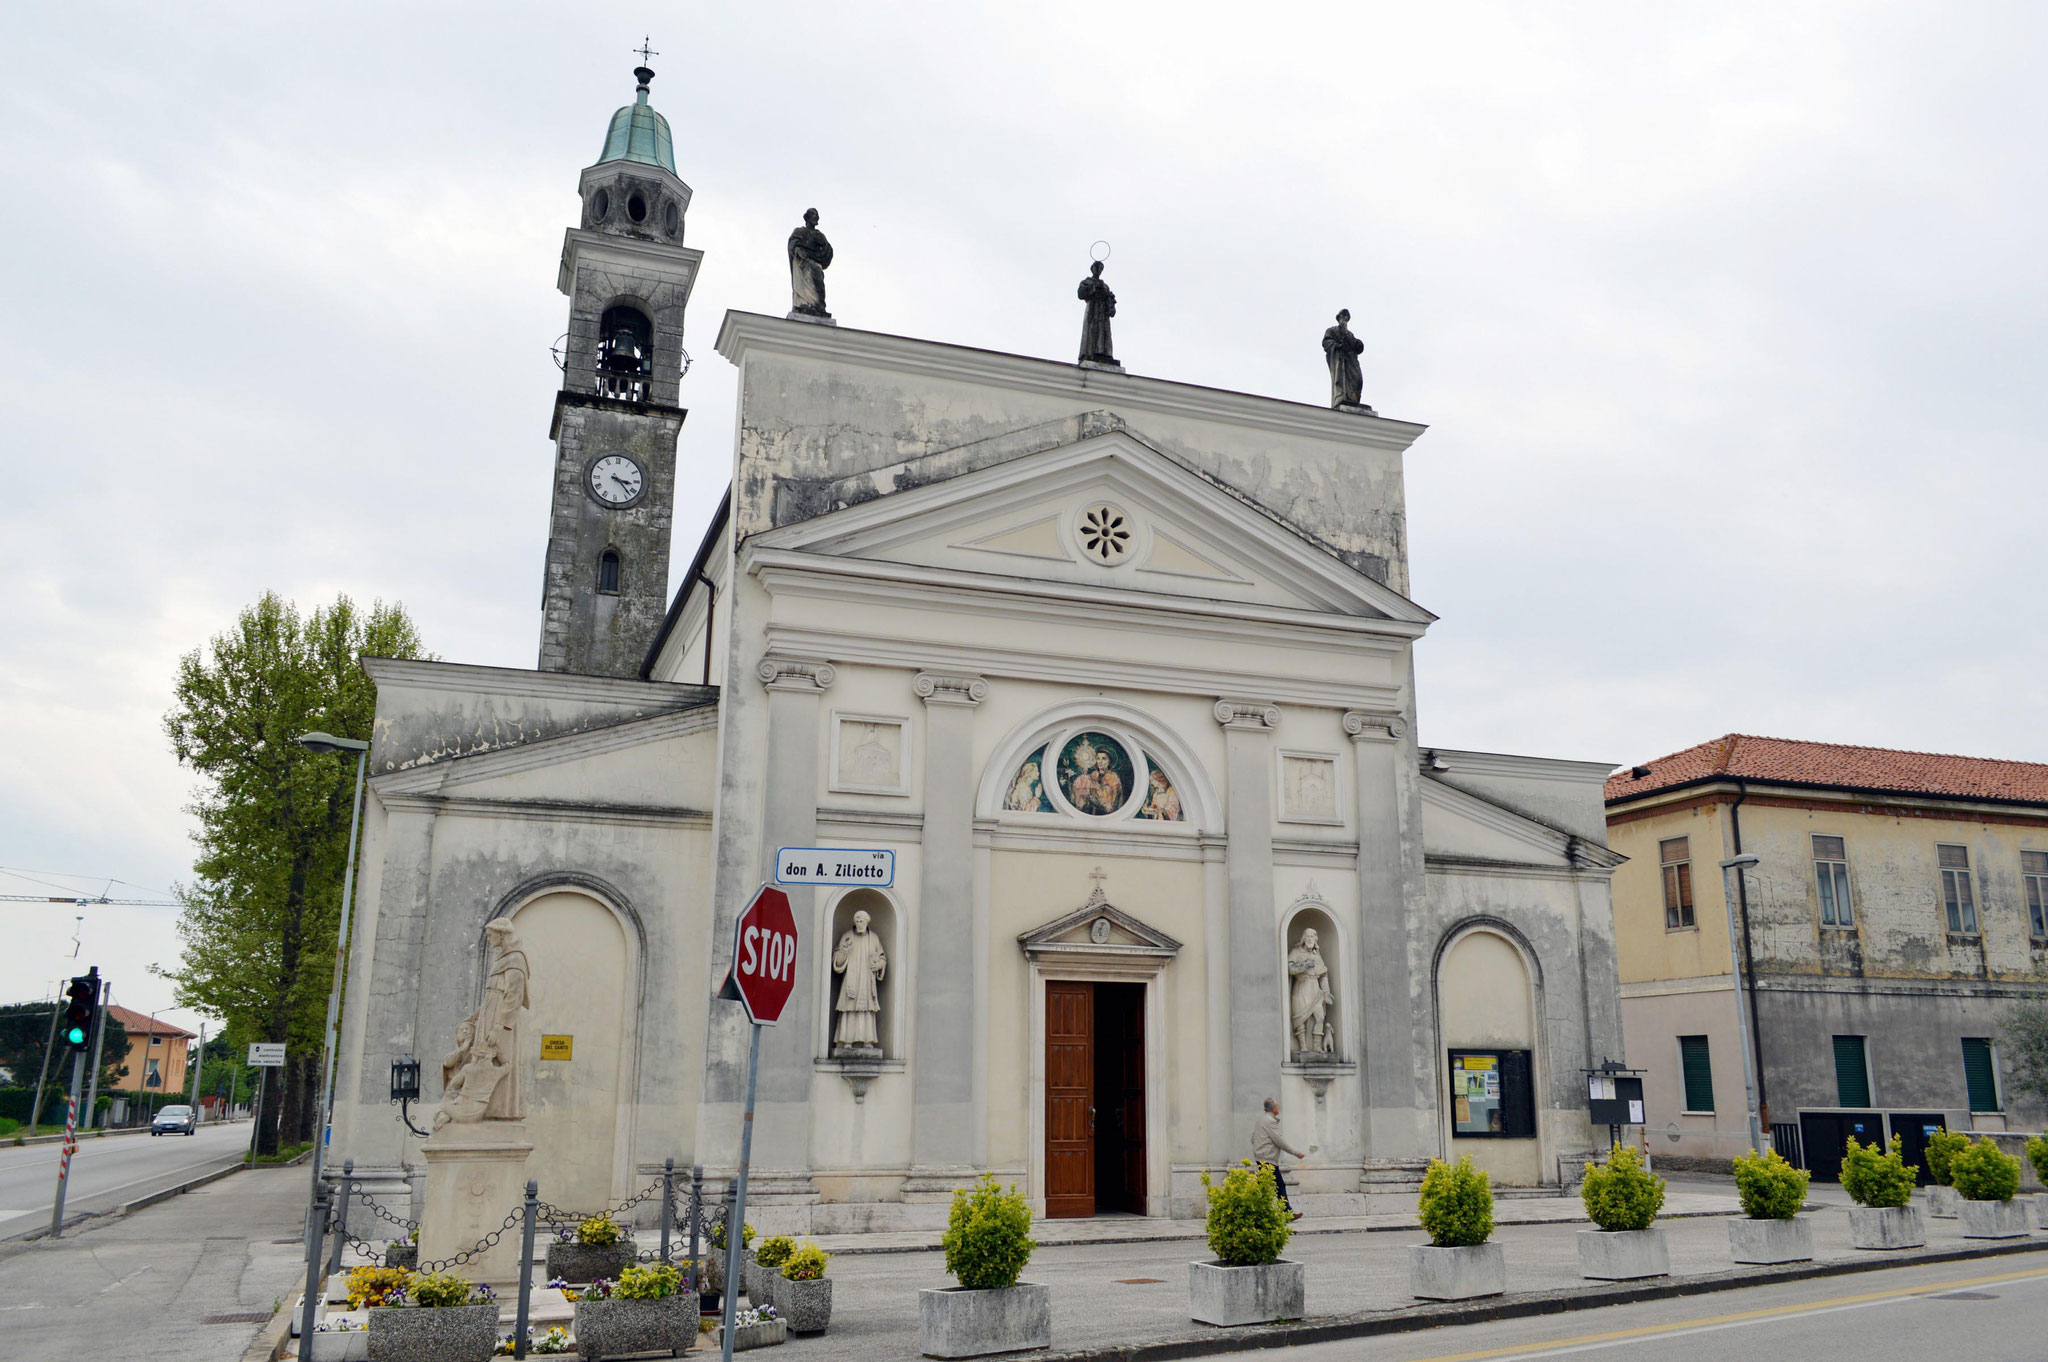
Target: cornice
{"type": "Point", "coordinates": [1434, 864]}
{"type": "Point", "coordinates": [1720, 789]}
{"type": "Point", "coordinates": [1508, 764]}
{"type": "Point", "coordinates": [441, 774]}
{"type": "Point", "coordinates": [672, 264]}
{"type": "Point", "coordinates": [809, 675]}
{"type": "Point", "coordinates": [551, 810]}
{"type": "Point", "coordinates": [937, 689]}
{"type": "Point", "coordinates": [744, 333]}
{"type": "Point", "coordinates": [415, 674]}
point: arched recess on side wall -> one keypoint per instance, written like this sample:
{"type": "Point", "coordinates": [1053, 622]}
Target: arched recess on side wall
{"type": "Point", "coordinates": [1309, 912]}
{"type": "Point", "coordinates": [1488, 990]}
{"type": "Point", "coordinates": [587, 950]}
{"type": "Point", "coordinates": [885, 919]}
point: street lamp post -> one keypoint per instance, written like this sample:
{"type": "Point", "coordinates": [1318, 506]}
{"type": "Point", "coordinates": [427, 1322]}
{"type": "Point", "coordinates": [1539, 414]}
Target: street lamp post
{"type": "Point", "coordinates": [1731, 870]}
{"type": "Point", "coordinates": [327, 742]}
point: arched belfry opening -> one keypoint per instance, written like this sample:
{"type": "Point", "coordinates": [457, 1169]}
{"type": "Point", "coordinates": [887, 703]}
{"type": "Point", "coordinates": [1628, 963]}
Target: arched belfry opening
{"type": "Point", "coordinates": [625, 355]}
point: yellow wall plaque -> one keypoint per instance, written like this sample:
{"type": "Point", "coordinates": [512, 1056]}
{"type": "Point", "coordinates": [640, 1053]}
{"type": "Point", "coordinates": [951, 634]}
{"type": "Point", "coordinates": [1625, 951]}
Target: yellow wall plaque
{"type": "Point", "coordinates": [557, 1047]}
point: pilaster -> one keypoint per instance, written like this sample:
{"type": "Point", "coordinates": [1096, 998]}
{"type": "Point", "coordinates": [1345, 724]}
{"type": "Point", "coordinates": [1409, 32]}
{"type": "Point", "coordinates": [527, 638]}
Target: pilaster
{"type": "Point", "coordinates": [1257, 1026]}
{"type": "Point", "coordinates": [944, 1062]}
{"type": "Point", "coordinates": [1385, 989]}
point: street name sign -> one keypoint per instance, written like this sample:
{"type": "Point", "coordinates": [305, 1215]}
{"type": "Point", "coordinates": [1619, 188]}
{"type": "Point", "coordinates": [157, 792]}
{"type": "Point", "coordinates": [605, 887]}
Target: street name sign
{"type": "Point", "coordinates": [763, 956]}
{"type": "Point", "coordinates": [266, 1055]}
{"type": "Point", "coordinates": [835, 865]}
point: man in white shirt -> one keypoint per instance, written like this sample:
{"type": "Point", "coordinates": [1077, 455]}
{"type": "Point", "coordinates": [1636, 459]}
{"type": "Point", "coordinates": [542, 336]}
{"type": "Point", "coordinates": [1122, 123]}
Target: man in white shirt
{"type": "Point", "coordinates": [1268, 1146]}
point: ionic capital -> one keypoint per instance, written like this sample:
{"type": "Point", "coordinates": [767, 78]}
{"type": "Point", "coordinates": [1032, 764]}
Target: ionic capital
{"type": "Point", "coordinates": [1249, 714]}
{"type": "Point", "coordinates": [796, 673]}
{"type": "Point", "coordinates": [936, 688]}
{"type": "Point", "coordinates": [1368, 726]}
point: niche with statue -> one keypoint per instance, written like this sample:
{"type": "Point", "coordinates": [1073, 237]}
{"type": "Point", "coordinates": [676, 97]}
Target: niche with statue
{"type": "Point", "coordinates": [861, 1022]}
{"type": "Point", "coordinates": [1314, 974]}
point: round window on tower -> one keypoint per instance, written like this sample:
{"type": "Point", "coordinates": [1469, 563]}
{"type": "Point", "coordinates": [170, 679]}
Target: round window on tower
{"type": "Point", "coordinates": [672, 219]}
{"type": "Point", "coordinates": [600, 206]}
{"type": "Point", "coordinates": [636, 208]}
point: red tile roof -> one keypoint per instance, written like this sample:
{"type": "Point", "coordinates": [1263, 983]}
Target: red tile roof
{"type": "Point", "coordinates": [1788, 761]}
{"type": "Point", "coordinates": [140, 1024]}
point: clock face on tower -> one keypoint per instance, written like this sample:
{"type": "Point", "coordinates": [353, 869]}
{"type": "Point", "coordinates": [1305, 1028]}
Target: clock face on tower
{"type": "Point", "coordinates": [615, 480]}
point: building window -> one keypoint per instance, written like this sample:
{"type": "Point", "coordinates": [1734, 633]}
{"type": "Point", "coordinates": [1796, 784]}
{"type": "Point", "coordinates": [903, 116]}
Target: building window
{"type": "Point", "coordinates": [608, 573]}
{"type": "Point", "coordinates": [1831, 871]}
{"type": "Point", "coordinates": [2034, 879]}
{"type": "Point", "coordinates": [1852, 1072]}
{"type": "Point", "coordinates": [1956, 895]}
{"type": "Point", "coordinates": [1980, 1073]}
{"type": "Point", "coordinates": [152, 1073]}
{"type": "Point", "coordinates": [1676, 854]}
{"type": "Point", "coordinates": [156, 1040]}
{"type": "Point", "coordinates": [1492, 1095]}
{"type": "Point", "coordinates": [1697, 1064]}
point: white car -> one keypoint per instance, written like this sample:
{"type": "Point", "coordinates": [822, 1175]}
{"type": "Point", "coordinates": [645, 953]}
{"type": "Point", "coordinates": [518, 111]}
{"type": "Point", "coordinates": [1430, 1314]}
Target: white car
{"type": "Point", "coordinates": [175, 1121]}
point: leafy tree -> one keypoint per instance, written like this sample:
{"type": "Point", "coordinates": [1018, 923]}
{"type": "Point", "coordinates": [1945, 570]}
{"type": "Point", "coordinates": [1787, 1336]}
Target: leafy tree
{"type": "Point", "coordinates": [2025, 1028]}
{"type": "Point", "coordinates": [24, 1035]}
{"type": "Point", "coordinates": [262, 910]}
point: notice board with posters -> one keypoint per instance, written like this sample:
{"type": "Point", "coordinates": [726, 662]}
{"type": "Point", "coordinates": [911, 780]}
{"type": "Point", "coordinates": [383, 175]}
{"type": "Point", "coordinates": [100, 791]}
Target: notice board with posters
{"type": "Point", "coordinates": [1491, 1095]}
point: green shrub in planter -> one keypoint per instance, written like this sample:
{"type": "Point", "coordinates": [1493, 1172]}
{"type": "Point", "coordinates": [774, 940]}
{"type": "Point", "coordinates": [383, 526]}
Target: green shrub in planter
{"type": "Point", "coordinates": [1771, 1189]}
{"type": "Point", "coordinates": [988, 1235]}
{"type": "Point", "coordinates": [718, 1236]}
{"type": "Point", "coordinates": [1942, 1146]}
{"type": "Point", "coordinates": [444, 1290]}
{"type": "Point", "coordinates": [1247, 1224]}
{"type": "Point", "coordinates": [775, 1250]}
{"type": "Point", "coordinates": [1457, 1203]}
{"type": "Point", "coordinates": [1621, 1194]}
{"type": "Point", "coordinates": [648, 1282]}
{"type": "Point", "coordinates": [1877, 1179]}
{"type": "Point", "coordinates": [599, 1229]}
{"type": "Point", "coordinates": [2037, 1154]}
{"type": "Point", "coordinates": [806, 1263]}
{"type": "Point", "coordinates": [1984, 1172]}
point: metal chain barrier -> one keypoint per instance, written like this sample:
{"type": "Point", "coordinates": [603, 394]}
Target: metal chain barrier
{"type": "Point", "coordinates": [382, 1214]}
{"type": "Point", "coordinates": [487, 1242]}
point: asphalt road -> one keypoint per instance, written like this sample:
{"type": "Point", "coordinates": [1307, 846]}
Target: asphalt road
{"type": "Point", "coordinates": [1991, 1310]}
{"type": "Point", "coordinates": [106, 1172]}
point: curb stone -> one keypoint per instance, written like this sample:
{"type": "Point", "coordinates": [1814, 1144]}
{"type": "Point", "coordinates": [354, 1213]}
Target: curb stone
{"type": "Point", "coordinates": [1374, 1323]}
{"type": "Point", "coordinates": [269, 1343]}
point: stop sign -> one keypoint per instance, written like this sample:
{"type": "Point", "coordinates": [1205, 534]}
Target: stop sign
{"type": "Point", "coordinates": [763, 956]}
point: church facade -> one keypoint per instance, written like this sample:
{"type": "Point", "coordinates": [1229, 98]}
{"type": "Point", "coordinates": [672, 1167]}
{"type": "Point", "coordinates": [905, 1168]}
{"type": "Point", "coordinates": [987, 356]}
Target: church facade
{"type": "Point", "coordinates": [1120, 670]}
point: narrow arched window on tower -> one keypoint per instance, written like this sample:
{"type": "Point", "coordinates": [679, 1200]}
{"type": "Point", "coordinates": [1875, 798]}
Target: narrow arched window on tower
{"type": "Point", "coordinates": [608, 573]}
{"type": "Point", "coordinates": [625, 353]}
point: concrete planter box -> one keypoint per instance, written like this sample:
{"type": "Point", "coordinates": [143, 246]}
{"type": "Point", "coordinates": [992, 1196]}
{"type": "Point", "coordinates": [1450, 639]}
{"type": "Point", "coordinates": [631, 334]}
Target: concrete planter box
{"type": "Point", "coordinates": [352, 1346]}
{"type": "Point", "coordinates": [1942, 1202]}
{"type": "Point", "coordinates": [615, 1328]}
{"type": "Point", "coordinates": [806, 1307]}
{"type": "Point", "coordinates": [588, 1262]}
{"type": "Point", "coordinates": [406, 1256]}
{"type": "Point", "coordinates": [1623, 1255]}
{"type": "Point", "coordinates": [1993, 1219]}
{"type": "Point", "coordinates": [455, 1333]}
{"type": "Point", "coordinates": [1247, 1295]}
{"type": "Point", "coordinates": [2041, 1210]}
{"type": "Point", "coordinates": [763, 1335]}
{"type": "Point", "coordinates": [1770, 1241]}
{"type": "Point", "coordinates": [1456, 1274]}
{"type": "Point", "coordinates": [953, 1321]}
{"type": "Point", "coordinates": [1886, 1227]}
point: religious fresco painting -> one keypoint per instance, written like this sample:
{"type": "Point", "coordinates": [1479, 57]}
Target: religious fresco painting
{"type": "Point", "coordinates": [1096, 774]}
{"type": "Point", "coordinates": [1162, 801]}
{"type": "Point", "coordinates": [1027, 788]}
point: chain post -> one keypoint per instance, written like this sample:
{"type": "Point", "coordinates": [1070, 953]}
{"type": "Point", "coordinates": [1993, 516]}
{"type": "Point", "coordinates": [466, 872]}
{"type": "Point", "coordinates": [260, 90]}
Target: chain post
{"type": "Point", "coordinates": [316, 1223]}
{"type": "Point", "coordinates": [696, 1217]}
{"type": "Point", "coordinates": [526, 1268]}
{"type": "Point", "coordinates": [348, 1179]}
{"type": "Point", "coordinates": [668, 1202]}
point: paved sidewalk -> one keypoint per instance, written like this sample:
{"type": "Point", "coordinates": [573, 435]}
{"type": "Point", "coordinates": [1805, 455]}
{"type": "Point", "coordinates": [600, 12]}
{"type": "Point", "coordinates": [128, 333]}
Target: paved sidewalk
{"type": "Point", "coordinates": [147, 1284]}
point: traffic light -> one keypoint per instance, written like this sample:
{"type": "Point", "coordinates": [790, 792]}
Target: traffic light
{"type": "Point", "coordinates": [82, 1009]}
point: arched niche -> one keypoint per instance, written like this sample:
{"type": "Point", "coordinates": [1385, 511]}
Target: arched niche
{"type": "Point", "coordinates": [1490, 1061]}
{"type": "Point", "coordinates": [1305, 915]}
{"type": "Point", "coordinates": [1151, 745]}
{"type": "Point", "coordinates": [884, 920]}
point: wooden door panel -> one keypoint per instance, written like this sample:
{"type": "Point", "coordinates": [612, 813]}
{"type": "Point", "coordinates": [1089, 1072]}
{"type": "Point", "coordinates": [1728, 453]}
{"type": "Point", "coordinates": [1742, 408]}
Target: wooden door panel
{"type": "Point", "coordinates": [1069, 1099]}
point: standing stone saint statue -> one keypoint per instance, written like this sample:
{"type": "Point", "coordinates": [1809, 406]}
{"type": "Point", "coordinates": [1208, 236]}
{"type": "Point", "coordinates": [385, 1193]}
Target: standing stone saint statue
{"type": "Point", "coordinates": [480, 1078]}
{"type": "Point", "coordinates": [859, 958]}
{"type": "Point", "coordinates": [1342, 349]}
{"type": "Point", "coordinates": [1310, 1000]}
{"type": "Point", "coordinates": [1096, 347]}
{"type": "Point", "coordinates": [809, 255]}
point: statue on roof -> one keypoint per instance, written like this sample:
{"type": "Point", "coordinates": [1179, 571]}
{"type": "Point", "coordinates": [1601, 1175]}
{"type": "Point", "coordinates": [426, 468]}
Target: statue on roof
{"type": "Point", "coordinates": [809, 256]}
{"type": "Point", "coordinates": [1341, 350]}
{"type": "Point", "coordinates": [1096, 347]}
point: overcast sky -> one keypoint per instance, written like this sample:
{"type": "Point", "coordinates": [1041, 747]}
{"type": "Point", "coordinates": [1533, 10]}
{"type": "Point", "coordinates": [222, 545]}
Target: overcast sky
{"type": "Point", "coordinates": [1727, 322]}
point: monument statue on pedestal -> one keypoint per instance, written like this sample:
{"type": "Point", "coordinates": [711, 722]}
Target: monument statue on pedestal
{"type": "Point", "coordinates": [860, 960]}
{"type": "Point", "coordinates": [1310, 999]}
{"type": "Point", "coordinates": [1096, 347]}
{"type": "Point", "coordinates": [809, 256]}
{"type": "Point", "coordinates": [1341, 350]}
{"type": "Point", "coordinates": [480, 1078]}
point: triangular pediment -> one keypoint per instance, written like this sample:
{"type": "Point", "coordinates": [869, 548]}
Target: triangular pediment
{"type": "Point", "coordinates": [1109, 511]}
{"type": "Point", "coordinates": [656, 762]}
{"type": "Point", "coordinates": [1098, 927]}
{"type": "Point", "coordinates": [1459, 825]}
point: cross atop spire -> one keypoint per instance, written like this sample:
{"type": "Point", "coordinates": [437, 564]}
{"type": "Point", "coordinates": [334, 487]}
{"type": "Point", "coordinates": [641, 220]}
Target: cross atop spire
{"type": "Point", "coordinates": [647, 53]}
{"type": "Point", "coordinates": [643, 72]}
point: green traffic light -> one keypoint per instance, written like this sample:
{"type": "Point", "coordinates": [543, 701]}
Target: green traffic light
{"type": "Point", "coordinates": [76, 1035]}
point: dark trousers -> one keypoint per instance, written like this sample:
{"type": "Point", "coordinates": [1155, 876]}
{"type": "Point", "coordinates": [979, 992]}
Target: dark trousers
{"type": "Point", "coordinates": [1280, 1185]}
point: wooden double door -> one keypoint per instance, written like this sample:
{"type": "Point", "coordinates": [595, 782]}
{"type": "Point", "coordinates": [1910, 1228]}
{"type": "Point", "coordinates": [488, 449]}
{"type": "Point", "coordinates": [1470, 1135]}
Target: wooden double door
{"type": "Point", "coordinates": [1094, 1098]}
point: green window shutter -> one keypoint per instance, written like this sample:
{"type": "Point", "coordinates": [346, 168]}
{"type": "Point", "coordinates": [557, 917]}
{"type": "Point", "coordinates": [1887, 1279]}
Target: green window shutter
{"type": "Point", "coordinates": [1852, 1072]}
{"type": "Point", "coordinates": [1978, 1072]}
{"type": "Point", "coordinates": [1697, 1062]}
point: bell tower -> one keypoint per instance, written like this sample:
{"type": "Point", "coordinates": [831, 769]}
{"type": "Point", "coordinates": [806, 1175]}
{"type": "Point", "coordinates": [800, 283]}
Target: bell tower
{"type": "Point", "coordinates": [628, 277]}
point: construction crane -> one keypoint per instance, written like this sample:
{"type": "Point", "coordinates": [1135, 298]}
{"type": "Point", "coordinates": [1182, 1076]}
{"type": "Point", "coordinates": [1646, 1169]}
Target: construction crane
{"type": "Point", "coordinates": [86, 900]}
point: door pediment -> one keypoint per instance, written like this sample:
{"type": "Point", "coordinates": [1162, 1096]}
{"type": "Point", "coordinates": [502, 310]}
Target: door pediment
{"type": "Point", "coordinates": [1098, 928]}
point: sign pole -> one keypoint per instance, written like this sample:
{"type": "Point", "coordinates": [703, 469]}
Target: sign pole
{"type": "Point", "coordinates": [256, 1113]}
{"type": "Point", "coordinates": [71, 1142]}
{"type": "Point", "coordinates": [736, 1223]}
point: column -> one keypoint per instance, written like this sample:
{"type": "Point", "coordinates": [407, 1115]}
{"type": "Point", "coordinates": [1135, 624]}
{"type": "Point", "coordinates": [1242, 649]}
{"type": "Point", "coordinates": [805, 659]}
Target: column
{"type": "Point", "coordinates": [1257, 1025]}
{"type": "Point", "coordinates": [945, 1003]}
{"type": "Point", "coordinates": [790, 818]}
{"type": "Point", "coordinates": [1386, 992]}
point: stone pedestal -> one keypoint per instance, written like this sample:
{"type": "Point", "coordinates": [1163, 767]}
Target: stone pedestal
{"type": "Point", "coordinates": [476, 1176]}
